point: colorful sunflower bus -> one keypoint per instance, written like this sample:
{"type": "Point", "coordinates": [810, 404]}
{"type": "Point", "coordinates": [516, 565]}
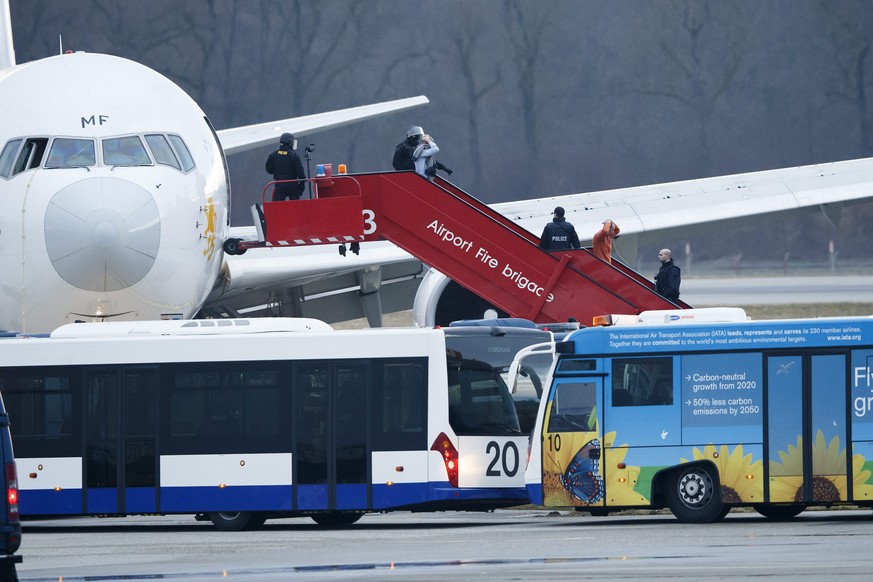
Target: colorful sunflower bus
{"type": "Point", "coordinates": [238, 421]}
{"type": "Point", "coordinates": [672, 411]}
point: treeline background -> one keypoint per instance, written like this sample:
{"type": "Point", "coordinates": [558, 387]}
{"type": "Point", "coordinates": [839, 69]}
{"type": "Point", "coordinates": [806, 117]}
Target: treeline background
{"type": "Point", "coordinates": [528, 98]}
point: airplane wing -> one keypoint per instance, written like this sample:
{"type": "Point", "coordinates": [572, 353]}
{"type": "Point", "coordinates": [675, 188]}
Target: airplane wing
{"type": "Point", "coordinates": [342, 284]}
{"type": "Point", "coordinates": [317, 281]}
{"type": "Point", "coordinates": [240, 139]}
{"type": "Point", "coordinates": [656, 208]}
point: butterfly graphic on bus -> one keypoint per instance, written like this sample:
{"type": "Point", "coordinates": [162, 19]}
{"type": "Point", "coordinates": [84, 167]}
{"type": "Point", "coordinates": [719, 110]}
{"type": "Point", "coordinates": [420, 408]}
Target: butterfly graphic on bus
{"type": "Point", "coordinates": [582, 477]}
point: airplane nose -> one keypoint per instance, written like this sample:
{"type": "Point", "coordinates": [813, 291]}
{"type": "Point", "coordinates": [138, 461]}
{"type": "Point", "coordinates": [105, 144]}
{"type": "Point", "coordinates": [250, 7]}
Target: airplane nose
{"type": "Point", "coordinates": [102, 234]}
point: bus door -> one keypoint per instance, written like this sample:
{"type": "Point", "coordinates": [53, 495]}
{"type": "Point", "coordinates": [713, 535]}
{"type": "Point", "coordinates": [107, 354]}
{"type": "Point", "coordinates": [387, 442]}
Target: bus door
{"type": "Point", "coordinates": [120, 465]}
{"type": "Point", "coordinates": [807, 430]}
{"type": "Point", "coordinates": [332, 460]}
{"type": "Point", "coordinates": [571, 445]}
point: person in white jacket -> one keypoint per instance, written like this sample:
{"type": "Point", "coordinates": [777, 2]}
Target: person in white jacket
{"type": "Point", "coordinates": [423, 156]}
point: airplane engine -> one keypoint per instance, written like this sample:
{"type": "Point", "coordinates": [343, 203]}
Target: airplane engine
{"type": "Point", "coordinates": [440, 301]}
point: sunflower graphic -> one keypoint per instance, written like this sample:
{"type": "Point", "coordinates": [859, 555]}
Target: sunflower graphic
{"type": "Point", "coordinates": [862, 484]}
{"type": "Point", "coordinates": [741, 478]}
{"type": "Point", "coordinates": [829, 483]}
{"type": "Point", "coordinates": [621, 484]}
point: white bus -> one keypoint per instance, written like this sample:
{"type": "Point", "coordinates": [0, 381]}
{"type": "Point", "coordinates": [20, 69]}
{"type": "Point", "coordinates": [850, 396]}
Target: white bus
{"type": "Point", "coordinates": [238, 421]}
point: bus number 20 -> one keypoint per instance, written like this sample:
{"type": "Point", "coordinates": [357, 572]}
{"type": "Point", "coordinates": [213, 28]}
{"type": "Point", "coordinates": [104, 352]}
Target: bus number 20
{"type": "Point", "coordinates": [508, 458]}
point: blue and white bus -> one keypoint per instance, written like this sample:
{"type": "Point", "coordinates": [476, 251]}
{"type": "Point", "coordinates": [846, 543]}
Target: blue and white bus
{"type": "Point", "coordinates": [703, 417]}
{"type": "Point", "coordinates": [238, 421]}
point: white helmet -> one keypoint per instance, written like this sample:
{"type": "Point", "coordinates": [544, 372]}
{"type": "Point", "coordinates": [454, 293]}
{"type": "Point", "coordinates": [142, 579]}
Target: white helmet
{"type": "Point", "coordinates": [414, 130]}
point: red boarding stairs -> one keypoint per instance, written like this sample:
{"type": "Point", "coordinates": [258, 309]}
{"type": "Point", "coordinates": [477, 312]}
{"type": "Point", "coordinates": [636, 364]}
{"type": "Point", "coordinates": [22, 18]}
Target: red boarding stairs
{"type": "Point", "coordinates": [455, 233]}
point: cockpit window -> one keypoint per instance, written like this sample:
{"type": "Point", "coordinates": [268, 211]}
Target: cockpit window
{"type": "Point", "coordinates": [30, 155]}
{"type": "Point", "coordinates": [27, 153]}
{"type": "Point", "coordinates": [125, 151]}
{"type": "Point", "coordinates": [182, 150]}
{"type": "Point", "coordinates": [7, 157]}
{"type": "Point", "coordinates": [162, 151]}
{"type": "Point", "coordinates": [69, 152]}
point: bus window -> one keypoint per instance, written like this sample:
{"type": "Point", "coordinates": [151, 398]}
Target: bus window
{"type": "Point", "coordinates": [140, 417]}
{"type": "Point", "coordinates": [573, 407]}
{"type": "Point", "coordinates": [162, 151]}
{"type": "Point", "coordinates": [479, 401]}
{"type": "Point", "coordinates": [527, 387]}
{"type": "Point", "coordinates": [101, 429]}
{"type": "Point", "coordinates": [642, 381]}
{"type": "Point", "coordinates": [576, 365]}
{"type": "Point", "coordinates": [350, 423]}
{"type": "Point", "coordinates": [219, 411]}
{"type": "Point", "coordinates": [399, 406]}
{"type": "Point", "coordinates": [8, 156]}
{"type": "Point", "coordinates": [312, 423]}
{"type": "Point", "coordinates": [67, 152]}
{"type": "Point", "coordinates": [44, 413]}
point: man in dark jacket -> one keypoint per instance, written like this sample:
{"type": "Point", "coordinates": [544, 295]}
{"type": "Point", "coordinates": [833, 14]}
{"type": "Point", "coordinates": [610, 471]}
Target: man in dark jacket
{"type": "Point", "coordinates": [669, 276]}
{"type": "Point", "coordinates": [285, 164]}
{"type": "Point", "coordinates": [559, 235]}
{"type": "Point", "coordinates": [404, 153]}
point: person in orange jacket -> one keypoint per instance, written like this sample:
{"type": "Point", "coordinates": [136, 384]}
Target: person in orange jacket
{"type": "Point", "coordinates": [602, 241]}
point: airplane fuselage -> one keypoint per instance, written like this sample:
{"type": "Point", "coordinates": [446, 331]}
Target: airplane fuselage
{"type": "Point", "coordinates": [114, 195]}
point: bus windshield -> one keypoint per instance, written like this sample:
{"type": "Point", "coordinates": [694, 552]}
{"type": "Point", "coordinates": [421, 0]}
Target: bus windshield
{"type": "Point", "coordinates": [527, 376]}
{"type": "Point", "coordinates": [496, 347]}
{"type": "Point", "coordinates": [479, 401]}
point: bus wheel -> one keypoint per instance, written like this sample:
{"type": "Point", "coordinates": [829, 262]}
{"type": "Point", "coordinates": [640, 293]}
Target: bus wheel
{"type": "Point", "coordinates": [336, 518]}
{"type": "Point", "coordinates": [692, 496]}
{"type": "Point", "coordinates": [779, 512]}
{"type": "Point", "coordinates": [237, 520]}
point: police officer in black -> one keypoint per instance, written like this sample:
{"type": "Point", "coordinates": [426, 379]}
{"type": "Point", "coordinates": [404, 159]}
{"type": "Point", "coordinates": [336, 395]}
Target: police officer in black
{"type": "Point", "coordinates": [285, 164]}
{"type": "Point", "coordinates": [559, 235]}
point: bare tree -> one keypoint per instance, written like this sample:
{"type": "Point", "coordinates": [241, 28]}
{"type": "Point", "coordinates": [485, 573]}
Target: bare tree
{"type": "Point", "coordinates": [528, 25]}
{"type": "Point", "coordinates": [686, 64]}
{"type": "Point", "coordinates": [479, 74]}
{"type": "Point", "coordinates": [850, 39]}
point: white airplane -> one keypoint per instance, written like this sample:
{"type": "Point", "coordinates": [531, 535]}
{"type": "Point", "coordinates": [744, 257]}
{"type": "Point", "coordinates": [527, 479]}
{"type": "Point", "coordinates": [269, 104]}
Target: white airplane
{"type": "Point", "coordinates": [115, 190]}
{"type": "Point", "coordinates": [130, 222]}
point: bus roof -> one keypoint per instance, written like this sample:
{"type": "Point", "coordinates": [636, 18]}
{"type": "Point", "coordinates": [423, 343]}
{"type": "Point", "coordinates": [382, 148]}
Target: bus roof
{"type": "Point", "coordinates": [495, 322]}
{"type": "Point", "coordinates": [188, 327]}
{"type": "Point", "coordinates": [78, 346]}
{"type": "Point", "coordinates": [677, 316]}
{"type": "Point", "coordinates": [840, 332]}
